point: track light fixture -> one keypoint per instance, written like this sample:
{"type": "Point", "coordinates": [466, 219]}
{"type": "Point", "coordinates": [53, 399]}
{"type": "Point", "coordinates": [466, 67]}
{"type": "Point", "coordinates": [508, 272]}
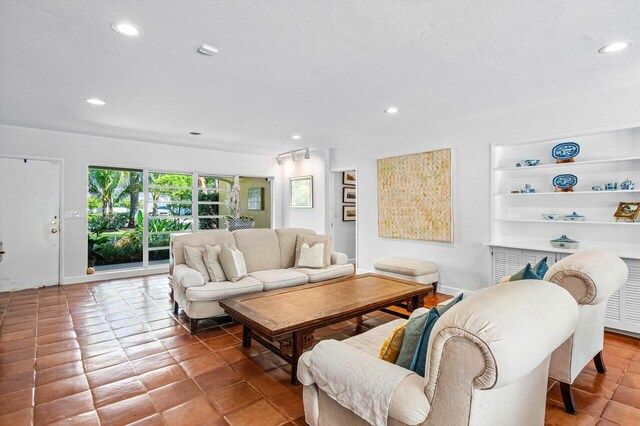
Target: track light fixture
{"type": "Point", "coordinates": [280, 157]}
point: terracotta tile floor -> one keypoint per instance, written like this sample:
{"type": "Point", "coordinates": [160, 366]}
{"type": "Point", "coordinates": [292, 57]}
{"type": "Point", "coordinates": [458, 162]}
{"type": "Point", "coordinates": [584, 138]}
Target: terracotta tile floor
{"type": "Point", "coordinates": [112, 353]}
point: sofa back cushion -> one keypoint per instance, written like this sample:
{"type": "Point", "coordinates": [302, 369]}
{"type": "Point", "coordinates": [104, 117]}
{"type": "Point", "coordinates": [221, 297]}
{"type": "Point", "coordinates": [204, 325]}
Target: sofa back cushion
{"type": "Point", "coordinates": [287, 238]}
{"type": "Point", "coordinates": [260, 248]}
{"type": "Point", "coordinates": [199, 239]}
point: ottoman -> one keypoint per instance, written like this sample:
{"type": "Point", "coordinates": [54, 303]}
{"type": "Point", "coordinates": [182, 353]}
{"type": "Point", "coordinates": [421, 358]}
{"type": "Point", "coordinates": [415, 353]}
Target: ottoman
{"type": "Point", "coordinates": [416, 270]}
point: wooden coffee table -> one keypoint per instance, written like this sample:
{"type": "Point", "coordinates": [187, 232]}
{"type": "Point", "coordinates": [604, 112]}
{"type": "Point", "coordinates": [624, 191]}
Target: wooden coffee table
{"type": "Point", "coordinates": [289, 316]}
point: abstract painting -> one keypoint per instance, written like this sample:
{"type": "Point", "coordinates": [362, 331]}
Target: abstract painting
{"type": "Point", "coordinates": [414, 196]}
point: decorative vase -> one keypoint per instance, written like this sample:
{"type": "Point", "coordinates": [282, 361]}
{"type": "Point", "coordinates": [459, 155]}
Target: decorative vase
{"type": "Point", "coordinates": [90, 270]}
{"type": "Point", "coordinates": [233, 224]}
{"type": "Point", "coordinates": [627, 184]}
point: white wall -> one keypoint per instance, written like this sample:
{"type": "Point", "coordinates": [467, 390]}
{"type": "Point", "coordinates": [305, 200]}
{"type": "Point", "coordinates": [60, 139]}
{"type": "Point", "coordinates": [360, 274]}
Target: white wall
{"type": "Point", "coordinates": [466, 263]}
{"type": "Point", "coordinates": [315, 218]}
{"type": "Point", "coordinates": [79, 151]}
{"type": "Point", "coordinates": [344, 233]}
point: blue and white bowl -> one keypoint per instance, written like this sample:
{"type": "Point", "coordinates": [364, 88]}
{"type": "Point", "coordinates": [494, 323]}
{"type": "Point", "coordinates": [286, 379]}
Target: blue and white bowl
{"type": "Point", "coordinates": [531, 162]}
{"type": "Point", "coordinates": [565, 151]}
{"type": "Point", "coordinates": [627, 184]}
{"type": "Point", "coordinates": [550, 216]}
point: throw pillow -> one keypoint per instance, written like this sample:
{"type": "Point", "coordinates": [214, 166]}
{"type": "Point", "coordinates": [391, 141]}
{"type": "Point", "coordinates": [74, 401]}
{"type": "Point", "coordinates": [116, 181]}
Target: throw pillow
{"type": "Point", "coordinates": [195, 260]}
{"type": "Point", "coordinates": [540, 268]}
{"type": "Point", "coordinates": [391, 347]}
{"type": "Point", "coordinates": [233, 264]}
{"type": "Point", "coordinates": [419, 360]}
{"type": "Point", "coordinates": [525, 273]}
{"type": "Point", "coordinates": [311, 240]}
{"type": "Point", "coordinates": [444, 308]}
{"type": "Point", "coordinates": [212, 262]}
{"type": "Point", "coordinates": [311, 257]}
{"type": "Point", "coordinates": [412, 334]}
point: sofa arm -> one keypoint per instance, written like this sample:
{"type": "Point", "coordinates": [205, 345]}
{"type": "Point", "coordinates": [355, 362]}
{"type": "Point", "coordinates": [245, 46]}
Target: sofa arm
{"type": "Point", "coordinates": [187, 277]}
{"type": "Point", "coordinates": [338, 258]}
{"type": "Point", "coordinates": [365, 384]}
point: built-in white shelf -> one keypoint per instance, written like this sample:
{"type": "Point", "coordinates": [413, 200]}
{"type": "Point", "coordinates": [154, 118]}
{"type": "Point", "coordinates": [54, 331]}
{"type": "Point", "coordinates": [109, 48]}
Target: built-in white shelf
{"type": "Point", "coordinates": [571, 222]}
{"type": "Point", "coordinates": [623, 252]}
{"type": "Point", "coordinates": [563, 165]}
{"type": "Point", "coordinates": [524, 194]}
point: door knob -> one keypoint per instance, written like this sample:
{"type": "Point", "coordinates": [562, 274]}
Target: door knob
{"type": "Point", "coordinates": [54, 230]}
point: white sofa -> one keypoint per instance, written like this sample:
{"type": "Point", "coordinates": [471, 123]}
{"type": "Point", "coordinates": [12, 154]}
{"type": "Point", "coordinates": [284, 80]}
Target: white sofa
{"type": "Point", "coordinates": [270, 258]}
{"type": "Point", "coordinates": [487, 363]}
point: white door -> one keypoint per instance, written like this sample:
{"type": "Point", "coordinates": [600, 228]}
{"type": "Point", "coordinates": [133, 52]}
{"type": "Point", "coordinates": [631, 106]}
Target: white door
{"type": "Point", "coordinates": [29, 223]}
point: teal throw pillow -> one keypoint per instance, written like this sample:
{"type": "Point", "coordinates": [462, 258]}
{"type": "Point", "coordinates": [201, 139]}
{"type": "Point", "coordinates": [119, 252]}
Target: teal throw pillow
{"type": "Point", "coordinates": [444, 308]}
{"type": "Point", "coordinates": [540, 268]}
{"type": "Point", "coordinates": [412, 335]}
{"type": "Point", "coordinates": [525, 273]}
{"type": "Point", "coordinates": [420, 356]}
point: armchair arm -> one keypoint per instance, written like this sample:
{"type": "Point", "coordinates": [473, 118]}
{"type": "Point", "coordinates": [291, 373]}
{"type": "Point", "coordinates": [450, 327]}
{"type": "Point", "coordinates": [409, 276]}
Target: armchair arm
{"type": "Point", "coordinates": [371, 388]}
{"type": "Point", "coordinates": [338, 258]}
{"type": "Point", "coordinates": [187, 277]}
{"type": "Point", "coordinates": [591, 277]}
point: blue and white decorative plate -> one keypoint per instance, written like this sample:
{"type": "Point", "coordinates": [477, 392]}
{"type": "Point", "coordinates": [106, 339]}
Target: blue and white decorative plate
{"type": "Point", "coordinates": [565, 150]}
{"type": "Point", "coordinates": [565, 181]}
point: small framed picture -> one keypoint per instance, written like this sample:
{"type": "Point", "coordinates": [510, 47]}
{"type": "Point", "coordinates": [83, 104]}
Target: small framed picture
{"type": "Point", "coordinates": [301, 192]}
{"type": "Point", "coordinates": [348, 194]}
{"type": "Point", "coordinates": [627, 211]}
{"type": "Point", "coordinates": [348, 213]}
{"type": "Point", "coordinates": [349, 177]}
{"type": "Point", "coordinates": [255, 199]}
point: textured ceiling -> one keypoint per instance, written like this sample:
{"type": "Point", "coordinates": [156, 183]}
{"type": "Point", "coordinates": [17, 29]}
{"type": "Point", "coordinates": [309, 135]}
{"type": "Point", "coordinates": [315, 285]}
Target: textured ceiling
{"type": "Point", "coordinates": [325, 69]}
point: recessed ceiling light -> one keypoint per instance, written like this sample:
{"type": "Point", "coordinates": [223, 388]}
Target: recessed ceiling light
{"type": "Point", "coordinates": [96, 101]}
{"type": "Point", "coordinates": [391, 110]}
{"type": "Point", "coordinates": [195, 133]}
{"type": "Point", "coordinates": [126, 29]}
{"type": "Point", "coordinates": [207, 49]}
{"type": "Point", "coordinates": [296, 137]}
{"type": "Point", "coordinates": [615, 47]}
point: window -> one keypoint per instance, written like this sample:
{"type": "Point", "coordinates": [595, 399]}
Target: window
{"type": "Point", "coordinates": [114, 218]}
{"type": "Point", "coordinates": [132, 213]}
{"type": "Point", "coordinates": [169, 209]}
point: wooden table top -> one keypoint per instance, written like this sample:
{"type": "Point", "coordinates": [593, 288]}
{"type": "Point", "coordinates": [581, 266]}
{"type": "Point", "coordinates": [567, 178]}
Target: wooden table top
{"type": "Point", "coordinates": [281, 311]}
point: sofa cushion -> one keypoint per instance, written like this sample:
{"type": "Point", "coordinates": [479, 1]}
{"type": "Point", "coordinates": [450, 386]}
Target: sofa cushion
{"type": "Point", "coordinates": [212, 262]}
{"type": "Point", "coordinates": [330, 272]}
{"type": "Point", "coordinates": [411, 340]}
{"type": "Point", "coordinates": [233, 263]}
{"type": "Point", "coordinates": [311, 256]}
{"type": "Point", "coordinates": [371, 341]}
{"type": "Point", "coordinates": [260, 247]}
{"type": "Point", "coordinates": [194, 256]}
{"type": "Point", "coordinates": [279, 278]}
{"type": "Point", "coordinates": [224, 290]}
{"type": "Point", "coordinates": [199, 239]}
{"type": "Point", "coordinates": [311, 240]}
{"type": "Point", "coordinates": [287, 238]}
{"type": "Point", "coordinates": [391, 347]}
{"type": "Point", "coordinates": [525, 273]}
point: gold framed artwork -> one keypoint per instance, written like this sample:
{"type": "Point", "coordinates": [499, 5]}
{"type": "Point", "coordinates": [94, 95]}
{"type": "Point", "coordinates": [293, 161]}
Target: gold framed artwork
{"type": "Point", "coordinates": [349, 177]}
{"type": "Point", "coordinates": [301, 192]}
{"type": "Point", "coordinates": [627, 211]}
{"type": "Point", "coordinates": [414, 196]}
{"type": "Point", "coordinates": [348, 194]}
{"type": "Point", "coordinates": [348, 213]}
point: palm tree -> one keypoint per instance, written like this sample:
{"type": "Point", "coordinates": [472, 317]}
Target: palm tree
{"type": "Point", "coordinates": [132, 185]}
{"type": "Point", "coordinates": [106, 184]}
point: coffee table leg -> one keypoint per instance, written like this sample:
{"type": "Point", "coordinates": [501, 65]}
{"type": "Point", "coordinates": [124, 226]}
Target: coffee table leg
{"type": "Point", "coordinates": [295, 356]}
{"type": "Point", "coordinates": [246, 337]}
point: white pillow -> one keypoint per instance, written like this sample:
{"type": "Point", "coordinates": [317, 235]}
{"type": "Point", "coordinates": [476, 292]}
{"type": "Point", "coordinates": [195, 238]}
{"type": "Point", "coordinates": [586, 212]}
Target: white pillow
{"type": "Point", "coordinates": [193, 256]}
{"type": "Point", "coordinates": [212, 262]}
{"type": "Point", "coordinates": [233, 264]}
{"type": "Point", "coordinates": [311, 257]}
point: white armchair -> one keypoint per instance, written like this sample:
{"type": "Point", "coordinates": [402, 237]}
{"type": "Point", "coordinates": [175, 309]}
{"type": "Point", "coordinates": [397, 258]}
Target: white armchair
{"type": "Point", "coordinates": [591, 277]}
{"type": "Point", "coordinates": [487, 363]}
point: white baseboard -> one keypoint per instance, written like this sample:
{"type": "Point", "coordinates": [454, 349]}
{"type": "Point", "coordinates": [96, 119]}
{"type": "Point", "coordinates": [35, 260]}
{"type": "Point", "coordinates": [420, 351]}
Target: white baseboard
{"type": "Point", "coordinates": [113, 275]}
